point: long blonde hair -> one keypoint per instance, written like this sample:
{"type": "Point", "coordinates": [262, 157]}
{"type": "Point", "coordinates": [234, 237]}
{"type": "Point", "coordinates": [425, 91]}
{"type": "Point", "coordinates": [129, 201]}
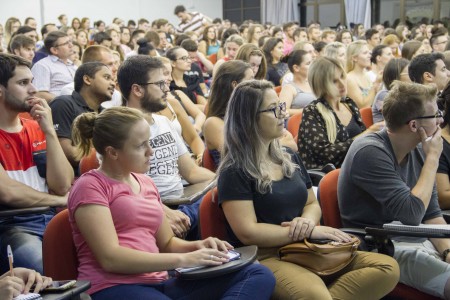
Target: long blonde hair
{"type": "Point", "coordinates": [321, 78]}
{"type": "Point", "coordinates": [353, 50]}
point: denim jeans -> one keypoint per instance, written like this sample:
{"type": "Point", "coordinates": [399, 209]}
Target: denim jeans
{"type": "Point", "coordinates": [24, 235]}
{"type": "Point", "coordinates": [252, 282]}
{"type": "Point", "coordinates": [192, 211]}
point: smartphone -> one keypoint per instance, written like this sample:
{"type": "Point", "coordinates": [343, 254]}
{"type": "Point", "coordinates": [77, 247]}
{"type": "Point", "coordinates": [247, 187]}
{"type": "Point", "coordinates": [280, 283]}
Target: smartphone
{"type": "Point", "coordinates": [61, 285]}
{"type": "Point", "coordinates": [233, 255]}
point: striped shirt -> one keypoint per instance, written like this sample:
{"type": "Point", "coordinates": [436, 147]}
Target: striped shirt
{"type": "Point", "coordinates": [51, 74]}
{"type": "Point", "coordinates": [195, 23]}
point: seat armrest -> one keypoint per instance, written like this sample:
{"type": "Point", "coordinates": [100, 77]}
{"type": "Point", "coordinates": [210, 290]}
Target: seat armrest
{"type": "Point", "coordinates": [10, 212]}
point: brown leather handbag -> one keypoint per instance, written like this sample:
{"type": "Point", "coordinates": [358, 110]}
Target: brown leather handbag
{"type": "Point", "coordinates": [323, 257]}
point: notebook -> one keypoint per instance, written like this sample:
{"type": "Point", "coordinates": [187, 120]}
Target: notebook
{"type": "Point", "coordinates": [422, 228]}
{"type": "Point", "coordinates": [29, 296]}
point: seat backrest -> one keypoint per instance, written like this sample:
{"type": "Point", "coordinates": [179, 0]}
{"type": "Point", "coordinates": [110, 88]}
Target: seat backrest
{"type": "Point", "coordinates": [277, 89]}
{"type": "Point", "coordinates": [329, 200]}
{"type": "Point", "coordinates": [59, 253]}
{"type": "Point", "coordinates": [89, 162]}
{"type": "Point", "coordinates": [213, 58]}
{"type": "Point", "coordinates": [212, 218]}
{"type": "Point", "coordinates": [366, 116]}
{"type": "Point", "coordinates": [294, 123]}
{"type": "Point", "coordinates": [208, 161]}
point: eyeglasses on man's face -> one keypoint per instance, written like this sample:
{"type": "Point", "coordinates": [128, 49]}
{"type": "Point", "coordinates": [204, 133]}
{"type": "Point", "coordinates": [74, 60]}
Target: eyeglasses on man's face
{"type": "Point", "coordinates": [437, 115]}
{"type": "Point", "coordinates": [278, 111]}
{"type": "Point", "coordinates": [161, 84]}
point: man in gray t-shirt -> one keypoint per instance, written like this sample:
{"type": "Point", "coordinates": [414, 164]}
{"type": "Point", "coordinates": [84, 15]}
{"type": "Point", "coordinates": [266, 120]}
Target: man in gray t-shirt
{"type": "Point", "coordinates": [386, 177]}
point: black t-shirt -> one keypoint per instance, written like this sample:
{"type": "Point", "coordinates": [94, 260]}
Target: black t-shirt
{"type": "Point", "coordinates": [65, 109]}
{"type": "Point", "coordinates": [444, 160]}
{"type": "Point", "coordinates": [285, 202]}
{"type": "Point", "coordinates": [192, 78]}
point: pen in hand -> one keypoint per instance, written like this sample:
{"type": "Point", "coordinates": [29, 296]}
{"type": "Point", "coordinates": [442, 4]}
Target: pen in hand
{"type": "Point", "coordinates": [10, 259]}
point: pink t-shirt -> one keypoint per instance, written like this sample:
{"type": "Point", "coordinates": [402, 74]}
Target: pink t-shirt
{"type": "Point", "coordinates": [288, 46]}
{"type": "Point", "coordinates": [137, 218]}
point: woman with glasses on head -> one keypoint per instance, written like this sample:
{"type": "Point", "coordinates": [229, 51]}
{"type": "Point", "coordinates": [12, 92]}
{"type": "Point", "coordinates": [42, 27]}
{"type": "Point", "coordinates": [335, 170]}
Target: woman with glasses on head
{"type": "Point", "coordinates": [124, 242]}
{"type": "Point", "coordinates": [330, 123]}
{"type": "Point", "coordinates": [183, 79]}
{"type": "Point", "coordinates": [267, 197]}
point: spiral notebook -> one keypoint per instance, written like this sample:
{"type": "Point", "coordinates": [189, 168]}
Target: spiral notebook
{"type": "Point", "coordinates": [29, 296]}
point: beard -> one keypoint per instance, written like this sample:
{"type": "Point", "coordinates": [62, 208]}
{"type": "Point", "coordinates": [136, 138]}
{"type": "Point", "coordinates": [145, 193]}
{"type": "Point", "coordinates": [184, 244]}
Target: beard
{"type": "Point", "coordinates": [15, 104]}
{"type": "Point", "coordinates": [152, 104]}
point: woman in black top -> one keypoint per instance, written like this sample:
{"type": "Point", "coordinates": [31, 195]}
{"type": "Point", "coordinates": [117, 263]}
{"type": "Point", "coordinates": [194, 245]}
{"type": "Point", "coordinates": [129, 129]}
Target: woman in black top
{"type": "Point", "coordinates": [267, 198]}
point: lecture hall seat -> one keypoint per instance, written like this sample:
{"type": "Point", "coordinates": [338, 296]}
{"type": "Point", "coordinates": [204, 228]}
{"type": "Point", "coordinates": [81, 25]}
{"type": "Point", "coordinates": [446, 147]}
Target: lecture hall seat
{"type": "Point", "coordinates": [212, 218]}
{"type": "Point", "coordinates": [366, 116]}
{"type": "Point", "coordinates": [293, 125]}
{"type": "Point", "coordinates": [58, 249]}
{"type": "Point", "coordinates": [331, 217]}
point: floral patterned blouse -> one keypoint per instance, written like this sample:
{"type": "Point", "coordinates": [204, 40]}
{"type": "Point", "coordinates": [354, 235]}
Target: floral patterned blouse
{"type": "Point", "coordinates": [313, 145]}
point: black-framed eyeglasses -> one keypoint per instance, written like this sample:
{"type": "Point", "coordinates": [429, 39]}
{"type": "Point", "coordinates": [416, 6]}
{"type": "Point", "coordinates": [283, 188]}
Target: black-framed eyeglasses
{"type": "Point", "coordinates": [185, 58]}
{"type": "Point", "coordinates": [278, 111]}
{"type": "Point", "coordinates": [161, 84]}
{"type": "Point", "coordinates": [63, 44]}
{"type": "Point", "coordinates": [438, 114]}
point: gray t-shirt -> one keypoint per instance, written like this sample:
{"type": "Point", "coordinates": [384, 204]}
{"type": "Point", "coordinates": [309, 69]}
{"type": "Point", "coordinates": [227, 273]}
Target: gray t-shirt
{"type": "Point", "coordinates": [374, 189]}
{"type": "Point", "coordinates": [168, 147]}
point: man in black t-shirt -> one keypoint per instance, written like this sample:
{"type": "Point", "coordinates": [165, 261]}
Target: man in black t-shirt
{"type": "Point", "coordinates": [94, 84]}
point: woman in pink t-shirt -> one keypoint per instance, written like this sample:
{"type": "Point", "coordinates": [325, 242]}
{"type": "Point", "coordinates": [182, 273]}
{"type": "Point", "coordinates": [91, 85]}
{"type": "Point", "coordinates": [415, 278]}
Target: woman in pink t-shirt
{"type": "Point", "coordinates": [123, 240]}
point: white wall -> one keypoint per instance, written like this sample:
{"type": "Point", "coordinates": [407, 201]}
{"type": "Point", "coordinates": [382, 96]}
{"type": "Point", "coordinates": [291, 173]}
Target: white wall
{"type": "Point", "coordinates": [104, 10]}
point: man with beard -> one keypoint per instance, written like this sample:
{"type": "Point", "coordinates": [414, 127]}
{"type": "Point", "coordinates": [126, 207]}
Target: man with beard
{"type": "Point", "coordinates": [144, 86]}
{"type": "Point", "coordinates": [94, 84]}
{"type": "Point", "coordinates": [32, 163]}
{"type": "Point", "coordinates": [288, 29]}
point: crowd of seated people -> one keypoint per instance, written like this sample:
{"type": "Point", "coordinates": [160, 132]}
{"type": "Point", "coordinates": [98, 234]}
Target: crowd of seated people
{"type": "Point", "coordinates": [152, 98]}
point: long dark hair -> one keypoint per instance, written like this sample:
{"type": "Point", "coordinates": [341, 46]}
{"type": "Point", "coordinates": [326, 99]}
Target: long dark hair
{"type": "Point", "coordinates": [243, 144]}
{"type": "Point", "coordinates": [222, 86]}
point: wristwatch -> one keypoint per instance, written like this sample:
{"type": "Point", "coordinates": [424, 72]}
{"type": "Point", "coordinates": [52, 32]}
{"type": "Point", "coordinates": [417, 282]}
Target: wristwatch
{"type": "Point", "coordinates": [445, 253]}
